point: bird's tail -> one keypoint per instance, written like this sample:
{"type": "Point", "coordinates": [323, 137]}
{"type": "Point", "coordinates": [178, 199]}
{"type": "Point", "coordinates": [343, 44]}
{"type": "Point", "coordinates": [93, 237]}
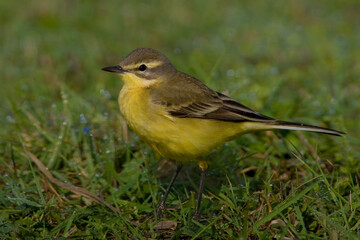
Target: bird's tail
{"type": "Point", "coordinates": [302, 127]}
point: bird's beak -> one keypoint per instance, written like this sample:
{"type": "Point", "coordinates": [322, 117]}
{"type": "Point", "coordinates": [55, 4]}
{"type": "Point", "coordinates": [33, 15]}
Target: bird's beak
{"type": "Point", "coordinates": [115, 69]}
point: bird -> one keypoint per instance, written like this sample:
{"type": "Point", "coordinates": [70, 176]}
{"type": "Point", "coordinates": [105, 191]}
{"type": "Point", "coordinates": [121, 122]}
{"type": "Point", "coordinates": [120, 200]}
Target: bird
{"type": "Point", "coordinates": [180, 117]}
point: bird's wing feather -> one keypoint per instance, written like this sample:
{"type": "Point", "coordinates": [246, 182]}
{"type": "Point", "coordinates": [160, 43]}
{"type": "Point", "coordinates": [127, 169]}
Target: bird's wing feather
{"type": "Point", "coordinates": [199, 101]}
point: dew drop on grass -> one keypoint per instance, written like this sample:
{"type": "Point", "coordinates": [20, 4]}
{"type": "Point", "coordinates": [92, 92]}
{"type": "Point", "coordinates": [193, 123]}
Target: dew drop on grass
{"type": "Point", "coordinates": [105, 93]}
{"type": "Point", "coordinates": [82, 118]}
{"type": "Point", "coordinates": [230, 73]}
{"type": "Point", "coordinates": [10, 119]}
{"type": "Point", "coordinates": [316, 103]}
{"type": "Point", "coordinates": [273, 70]}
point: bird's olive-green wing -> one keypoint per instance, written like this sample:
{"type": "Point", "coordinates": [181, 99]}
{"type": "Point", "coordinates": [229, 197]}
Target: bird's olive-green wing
{"type": "Point", "coordinates": [186, 97]}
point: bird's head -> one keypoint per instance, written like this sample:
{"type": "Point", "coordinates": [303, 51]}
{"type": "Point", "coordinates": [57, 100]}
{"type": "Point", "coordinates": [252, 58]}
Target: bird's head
{"type": "Point", "coordinates": [143, 67]}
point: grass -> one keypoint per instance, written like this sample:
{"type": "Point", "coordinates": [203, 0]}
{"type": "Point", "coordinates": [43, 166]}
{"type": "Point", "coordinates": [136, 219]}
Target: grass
{"type": "Point", "coordinates": [296, 60]}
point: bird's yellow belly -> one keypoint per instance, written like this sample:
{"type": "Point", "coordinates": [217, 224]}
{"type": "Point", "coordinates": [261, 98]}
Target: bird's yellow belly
{"type": "Point", "coordinates": [180, 139]}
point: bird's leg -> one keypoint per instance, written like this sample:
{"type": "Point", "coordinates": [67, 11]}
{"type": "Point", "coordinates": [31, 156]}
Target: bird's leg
{"type": "Point", "coordinates": [203, 166]}
{"type": "Point", "coordinates": [161, 206]}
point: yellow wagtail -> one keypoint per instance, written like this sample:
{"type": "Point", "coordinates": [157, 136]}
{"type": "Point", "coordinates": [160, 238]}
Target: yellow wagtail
{"type": "Point", "coordinates": [180, 117]}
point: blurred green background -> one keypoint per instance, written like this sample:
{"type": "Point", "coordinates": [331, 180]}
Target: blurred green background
{"type": "Point", "coordinates": [286, 58]}
{"type": "Point", "coordinates": [292, 60]}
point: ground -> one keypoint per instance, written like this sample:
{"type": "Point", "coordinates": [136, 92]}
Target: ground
{"type": "Point", "coordinates": [291, 60]}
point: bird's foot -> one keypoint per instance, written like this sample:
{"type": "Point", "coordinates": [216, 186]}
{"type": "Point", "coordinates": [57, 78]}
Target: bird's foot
{"type": "Point", "coordinates": [199, 217]}
{"type": "Point", "coordinates": [159, 211]}
{"type": "Point", "coordinates": [196, 216]}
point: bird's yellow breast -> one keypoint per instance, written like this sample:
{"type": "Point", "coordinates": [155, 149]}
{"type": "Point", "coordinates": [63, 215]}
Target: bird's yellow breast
{"type": "Point", "coordinates": [180, 139]}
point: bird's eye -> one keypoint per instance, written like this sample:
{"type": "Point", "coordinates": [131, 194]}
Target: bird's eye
{"type": "Point", "coordinates": [142, 67]}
